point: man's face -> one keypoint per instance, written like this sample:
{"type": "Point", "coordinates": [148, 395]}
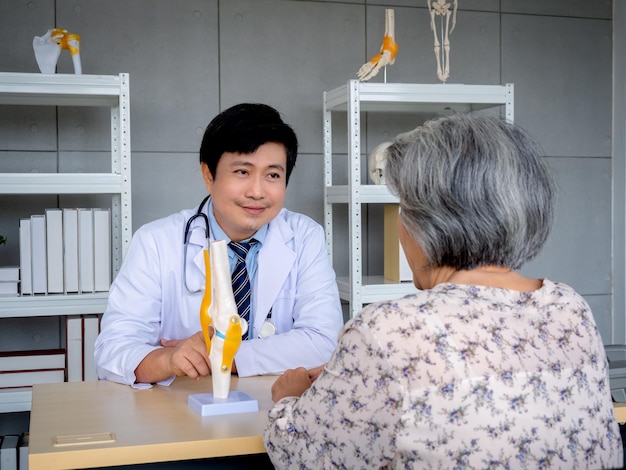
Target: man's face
{"type": "Point", "coordinates": [248, 190]}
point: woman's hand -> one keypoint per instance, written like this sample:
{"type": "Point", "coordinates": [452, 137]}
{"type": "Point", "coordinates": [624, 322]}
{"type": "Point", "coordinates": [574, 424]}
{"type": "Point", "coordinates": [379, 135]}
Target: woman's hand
{"type": "Point", "coordinates": [292, 383]}
{"type": "Point", "coordinates": [315, 372]}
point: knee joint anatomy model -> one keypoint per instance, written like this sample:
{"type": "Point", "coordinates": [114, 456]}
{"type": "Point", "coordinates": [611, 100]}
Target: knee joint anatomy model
{"type": "Point", "coordinates": [219, 311]}
{"type": "Point", "coordinates": [387, 54]}
{"type": "Point", "coordinates": [49, 46]}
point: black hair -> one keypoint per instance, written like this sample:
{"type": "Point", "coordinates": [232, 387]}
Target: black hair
{"type": "Point", "coordinates": [243, 128]}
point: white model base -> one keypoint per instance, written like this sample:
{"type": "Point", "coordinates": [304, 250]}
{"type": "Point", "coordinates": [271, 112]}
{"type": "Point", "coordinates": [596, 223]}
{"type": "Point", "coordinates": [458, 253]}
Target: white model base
{"type": "Point", "coordinates": [206, 404]}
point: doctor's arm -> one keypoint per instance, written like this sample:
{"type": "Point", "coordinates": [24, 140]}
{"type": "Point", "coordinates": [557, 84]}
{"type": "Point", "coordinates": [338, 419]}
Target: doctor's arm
{"type": "Point", "coordinates": [129, 349]}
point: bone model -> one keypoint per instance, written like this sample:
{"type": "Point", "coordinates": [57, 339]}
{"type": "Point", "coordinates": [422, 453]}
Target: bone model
{"type": "Point", "coordinates": [219, 310]}
{"type": "Point", "coordinates": [48, 48]}
{"type": "Point", "coordinates": [387, 54]}
{"type": "Point", "coordinates": [441, 9]}
{"type": "Point", "coordinates": [376, 162]}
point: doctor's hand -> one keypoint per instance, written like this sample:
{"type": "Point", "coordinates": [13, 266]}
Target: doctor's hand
{"type": "Point", "coordinates": [187, 356]}
{"type": "Point", "coordinates": [292, 383]}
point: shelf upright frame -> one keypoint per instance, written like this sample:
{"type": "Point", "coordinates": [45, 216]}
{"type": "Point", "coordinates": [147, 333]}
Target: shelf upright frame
{"type": "Point", "coordinates": [121, 213]}
{"type": "Point", "coordinates": [356, 97]}
{"type": "Point", "coordinates": [328, 176]}
{"type": "Point", "coordinates": [355, 241]}
{"type": "Point", "coordinates": [110, 91]}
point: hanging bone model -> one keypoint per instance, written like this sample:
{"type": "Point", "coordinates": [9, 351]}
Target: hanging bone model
{"type": "Point", "coordinates": [441, 9]}
{"type": "Point", "coordinates": [387, 54]}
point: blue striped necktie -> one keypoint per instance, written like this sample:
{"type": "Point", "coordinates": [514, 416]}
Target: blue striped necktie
{"type": "Point", "coordinates": [241, 281]}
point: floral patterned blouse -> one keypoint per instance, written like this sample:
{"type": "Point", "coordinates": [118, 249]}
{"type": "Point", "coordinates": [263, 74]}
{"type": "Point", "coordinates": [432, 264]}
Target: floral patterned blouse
{"type": "Point", "coordinates": [457, 377]}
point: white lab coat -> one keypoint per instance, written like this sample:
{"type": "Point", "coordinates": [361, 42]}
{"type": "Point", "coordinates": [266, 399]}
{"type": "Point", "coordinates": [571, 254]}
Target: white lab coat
{"type": "Point", "coordinates": [148, 300]}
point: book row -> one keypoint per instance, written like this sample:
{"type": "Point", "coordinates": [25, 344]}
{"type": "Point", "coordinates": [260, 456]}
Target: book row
{"type": "Point", "coordinates": [14, 451]}
{"type": "Point", "coordinates": [63, 251]}
{"type": "Point", "coordinates": [75, 363]}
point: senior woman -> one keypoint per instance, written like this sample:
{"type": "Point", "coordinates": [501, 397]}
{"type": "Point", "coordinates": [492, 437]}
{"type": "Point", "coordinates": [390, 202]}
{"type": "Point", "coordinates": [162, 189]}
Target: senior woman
{"type": "Point", "coordinates": [483, 367]}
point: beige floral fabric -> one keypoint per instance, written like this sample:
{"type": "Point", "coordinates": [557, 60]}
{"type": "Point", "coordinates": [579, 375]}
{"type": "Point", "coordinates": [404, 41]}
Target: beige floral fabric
{"type": "Point", "coordinates": [458, 377]}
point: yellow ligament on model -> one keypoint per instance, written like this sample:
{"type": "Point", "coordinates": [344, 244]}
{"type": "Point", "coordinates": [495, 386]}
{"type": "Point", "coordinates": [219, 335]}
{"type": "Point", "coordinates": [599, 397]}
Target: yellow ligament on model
{"type": "Point", "coordinates": [232, 341]}
{"type": "Point", "coordinates": [207, 299]}
{"type": "Point", "coordinates": [63, 39]}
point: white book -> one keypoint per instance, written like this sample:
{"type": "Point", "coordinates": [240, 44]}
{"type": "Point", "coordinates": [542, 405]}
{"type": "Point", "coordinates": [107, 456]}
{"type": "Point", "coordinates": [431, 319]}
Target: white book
{"type": "Point", "coordinates": [8, 287]}
{"type": "Point", "coordinates": [30, 378]}
{"type": "Point", "coordinates": [54, 250]}
{"type": "Point", "coordinates": [8, 452]}
{"type": "Point", "coordinates": [70, 250]}
{"type": "Point", "coordinates": [91, 329]}
{"type": "Point", "coordinates": [9, 273]}
{"type": "Point", "coordinates": [38, 253]}
{"type": "Point", "coordinates": [74, 348]}
{"type": "Point", "coordinates": [26, 280]}
{"type": "Point", "coordinates": [32, 360]}
{"type": "Point", "coordinates": [102, 249]}
{"type": "Point", "coordinates": [85, 250]}
{"type": "Point", "coordinates": [23, 452]}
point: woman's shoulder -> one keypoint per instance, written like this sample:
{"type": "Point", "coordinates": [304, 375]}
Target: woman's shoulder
{"type": "Point", "coordinates": [396, 311]}
{"type": "Point", "coordinates": [560, 292]}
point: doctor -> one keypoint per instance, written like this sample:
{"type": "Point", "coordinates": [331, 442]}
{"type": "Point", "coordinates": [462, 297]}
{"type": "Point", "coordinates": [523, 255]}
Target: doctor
{"type": "Point", "coordinates": [151, 328]}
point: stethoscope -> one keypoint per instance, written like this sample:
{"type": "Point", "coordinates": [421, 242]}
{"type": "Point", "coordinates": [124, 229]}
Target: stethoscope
{"type": "Point", "coordinates": [268, 328]}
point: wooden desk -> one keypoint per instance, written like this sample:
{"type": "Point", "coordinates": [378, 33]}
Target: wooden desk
{"type": "Point", "coordinates": [154, 425]}
{"type": "Point", "coordinates": [620, 412]}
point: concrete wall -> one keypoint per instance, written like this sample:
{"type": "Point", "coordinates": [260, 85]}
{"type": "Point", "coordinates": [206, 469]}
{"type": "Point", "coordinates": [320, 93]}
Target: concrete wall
{"type": "Point", "coordinates": [189, 59]}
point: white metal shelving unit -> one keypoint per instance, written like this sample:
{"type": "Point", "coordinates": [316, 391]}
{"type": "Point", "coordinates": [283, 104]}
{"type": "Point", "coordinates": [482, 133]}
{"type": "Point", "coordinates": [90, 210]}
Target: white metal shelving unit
{"type": "Point", "coordinates": [111, 91]}
{"type": "Point", "coordinates": [356, 97]}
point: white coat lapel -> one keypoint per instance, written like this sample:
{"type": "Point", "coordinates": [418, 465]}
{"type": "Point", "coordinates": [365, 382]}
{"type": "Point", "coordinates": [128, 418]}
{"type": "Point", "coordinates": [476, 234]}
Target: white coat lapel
{"type": "Point", "coordinates": [275, 261]}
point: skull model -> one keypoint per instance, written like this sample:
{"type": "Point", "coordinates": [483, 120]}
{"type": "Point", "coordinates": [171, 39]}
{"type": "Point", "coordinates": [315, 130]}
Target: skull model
{"type": "Point", "coordinates": [376, 163]}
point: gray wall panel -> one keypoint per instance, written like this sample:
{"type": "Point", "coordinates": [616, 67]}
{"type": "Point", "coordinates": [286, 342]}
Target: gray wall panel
{"type": "Point", "coordinates": [619, 171]}
{"type": "Point", "coordinates": [578, 251]}
{"type": "Point", "coordinates": [303, 192]}
{"type": "Point", "coordinates": [581, 8]}
{"type": "Point", "coordinates": [20, 21]}
{"type": "Point", "coordinates": [19, 334]}
{"type": "Point", "coordinates": [164, 183]}
{"type": "Point", "coordinates": [561, 68]}
{"type": "Point", "coordinates": [28, 128]}
{"type": "Point", "coordinates": [286, 54]}
{"type": "Point", "coordinates": [170, 50]}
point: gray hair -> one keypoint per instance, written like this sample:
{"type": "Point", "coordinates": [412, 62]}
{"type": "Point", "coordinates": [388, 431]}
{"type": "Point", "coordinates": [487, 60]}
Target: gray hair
{"type": "Point", "coordinates": [474, 191]}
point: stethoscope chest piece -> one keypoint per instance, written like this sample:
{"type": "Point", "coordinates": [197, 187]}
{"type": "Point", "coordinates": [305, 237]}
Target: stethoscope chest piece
{"type": "Point", "coordinates": [267, 329]}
